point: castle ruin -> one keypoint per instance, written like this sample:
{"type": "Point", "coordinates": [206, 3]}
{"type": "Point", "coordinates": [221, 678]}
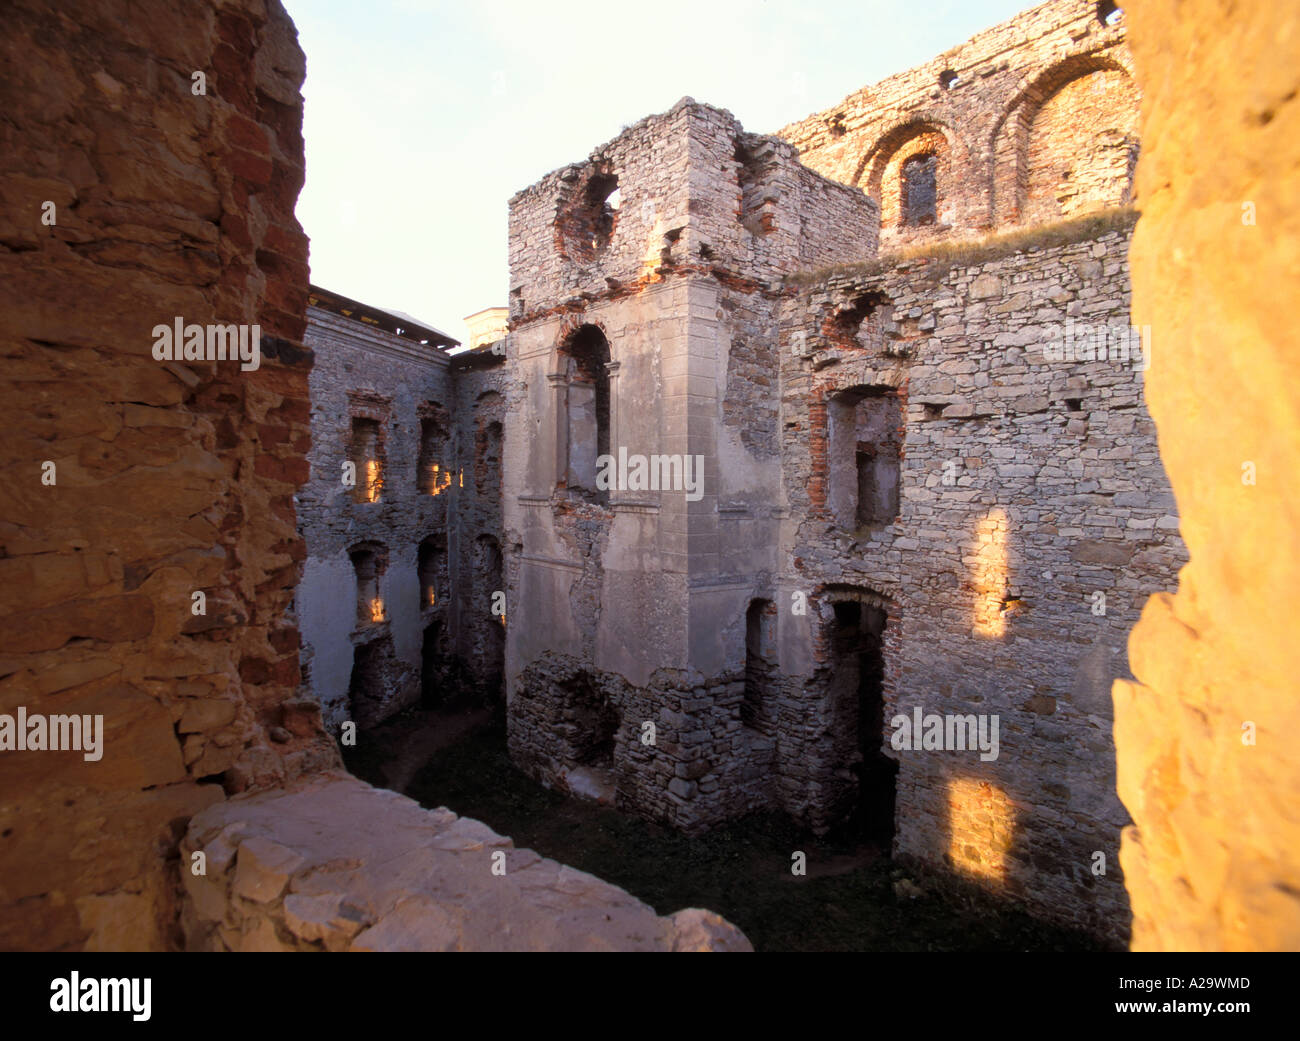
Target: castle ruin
{"type": "Point", "coordinates": [791, 438]}
{"type": "Point", "coordinates": [906, 504]}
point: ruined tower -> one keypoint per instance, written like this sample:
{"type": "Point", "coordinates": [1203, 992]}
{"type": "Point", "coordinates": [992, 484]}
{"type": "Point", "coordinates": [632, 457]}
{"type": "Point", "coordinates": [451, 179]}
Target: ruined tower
{"type": "Point", "coordinates": [644, 284]}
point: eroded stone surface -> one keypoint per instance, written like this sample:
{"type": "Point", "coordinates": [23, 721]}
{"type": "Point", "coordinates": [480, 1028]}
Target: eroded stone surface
{"type": "Point", "coordinates": [170, 478]}
{"type": "Point", "coordinates": [331, 863]}
{"type": "Point", "coordinates": [1211, 860]}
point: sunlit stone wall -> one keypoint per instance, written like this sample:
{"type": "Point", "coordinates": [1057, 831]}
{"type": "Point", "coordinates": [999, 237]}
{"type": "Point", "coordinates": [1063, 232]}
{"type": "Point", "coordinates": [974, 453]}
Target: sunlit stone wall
{"type": "Point", "coordinates": [1206, 740]}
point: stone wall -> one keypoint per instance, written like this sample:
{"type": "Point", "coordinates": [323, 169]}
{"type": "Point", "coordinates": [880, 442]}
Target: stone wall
{"type": "Point", "coordinates": [631, 214]}
{"type": "Point", "coordinates": [434, 530]}
{"type": "Point", "coordinates": [365, 665]}
{"type": "Point", "coordinates": [1032, 120]}
{"type": "Point", "coordinates": [618, 596]}
{"type": "Point", "coordinates": [480, 385]}
{"type": "Point", "coordinates": [1211, 859]}
{"type": "Point", "coordinates": [1034, 520]}
{"type": "Point", "coordinates": [137, 483]}
{"type": "Point", "coordinates": [935, 488]}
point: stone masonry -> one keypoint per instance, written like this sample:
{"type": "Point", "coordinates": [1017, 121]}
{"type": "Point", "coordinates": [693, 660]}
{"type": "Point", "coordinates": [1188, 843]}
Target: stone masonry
{"type": "Point", "coordinates": [396, 595]}
{"type": "Point", "coordinates": [618, 594]}
{"type": "Point", "coordinates": [138, 482]}
{"type": "Point", "coordinates": [930, 484]}
{"type": "Point", "coordinates": [169, 478]}
{"type": "Point", "coordinates": [284, 875]}
{"type": "Point", "coordinates": [911, 497]}
{"type": "Point", "coordinates": [1033, 522]}
{"type": "Point", "coordinates": [1032, 120]}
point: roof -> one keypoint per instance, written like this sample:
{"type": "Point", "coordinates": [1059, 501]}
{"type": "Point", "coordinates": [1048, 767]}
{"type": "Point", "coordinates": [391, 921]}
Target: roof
{"type": "Point", "coordinates": [488, 310]}
{"type": "Point", "coordinates": [396, 322]}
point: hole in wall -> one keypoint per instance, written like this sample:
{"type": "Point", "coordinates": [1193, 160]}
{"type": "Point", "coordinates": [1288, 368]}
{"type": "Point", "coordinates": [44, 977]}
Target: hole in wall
{"type": "Point", "coordinates": [587, 218]}
{"type": "Point", "coordinates": [863, 458]}
{"type": "Point", "coordinates": [856, 701]}
{"type": "Point", "coordinates": [756, 159]}
{"type": "Point", "coordinates": [1109, 13]}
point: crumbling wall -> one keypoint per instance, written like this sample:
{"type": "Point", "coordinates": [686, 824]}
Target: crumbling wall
{"type": "Point", "coordinates": [1034, 521]}
{"type": "Point", "coordinates": [666, 224]}
{"type": "Point", "coordinates": [478, 542]}
{"type": "Point", "coordinates": [1029, 121]}
{"type": "Point", "coordinates": [1205, 737]}
{"type": "Point", "coordinates": [366, 372]}
{"type": "Point", "coordinates": [136, 483]}
{"type": "Point", "coordinates": [643, 594]}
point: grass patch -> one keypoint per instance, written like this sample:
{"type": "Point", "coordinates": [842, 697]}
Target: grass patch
{"type": "Point", "coordinates": [741, 870]}
{"type": "Point", "coordinates": [944, 256]}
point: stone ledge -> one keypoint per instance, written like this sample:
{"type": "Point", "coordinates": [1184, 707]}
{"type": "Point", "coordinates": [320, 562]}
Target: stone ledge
{"type": "Point", "coordinates": [332, 863]}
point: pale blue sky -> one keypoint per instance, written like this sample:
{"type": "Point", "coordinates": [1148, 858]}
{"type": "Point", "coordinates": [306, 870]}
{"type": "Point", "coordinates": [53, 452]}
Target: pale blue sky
{"type": "Point", "coordinates": [423, 117]}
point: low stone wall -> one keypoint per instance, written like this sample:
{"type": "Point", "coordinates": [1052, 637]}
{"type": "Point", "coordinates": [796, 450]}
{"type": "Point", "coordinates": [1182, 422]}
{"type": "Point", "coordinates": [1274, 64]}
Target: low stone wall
{"type": "Point", "coordinates": [677, 750]}
{"type": "Point", "coordinates": [333, 864]}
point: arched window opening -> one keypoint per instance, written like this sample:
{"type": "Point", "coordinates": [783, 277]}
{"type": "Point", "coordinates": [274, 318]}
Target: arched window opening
{"type": "Point", "coordinates": [434, 469]}
{"type": "Point", "coordinates": [433, 571]}
{"type": "Point", "coordinates": [368, 564]}
{"type": "Point", "coordinates": [365, 451]}
{"type": "Point", "coordinates": [588, 419]}
{"type": "Point", "coordinates": [487, 458]}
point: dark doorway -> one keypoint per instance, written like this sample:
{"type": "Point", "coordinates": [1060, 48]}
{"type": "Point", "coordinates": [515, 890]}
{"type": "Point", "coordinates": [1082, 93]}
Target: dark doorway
{"type": "Point", "coordinates": [858, 650]}
{"type": "Point", "coordinates": [433, 668]}
{"type": "Point", "coordinates": [760, 655]}
{"type": "Point", "coordinates": [379, 686]}
{"type": "Point", "coordinates": [594, 723]}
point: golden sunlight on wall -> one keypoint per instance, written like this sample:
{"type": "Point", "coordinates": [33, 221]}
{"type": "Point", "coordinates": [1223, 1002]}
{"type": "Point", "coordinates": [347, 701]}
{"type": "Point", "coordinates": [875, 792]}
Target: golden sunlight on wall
{"type": "Point", "coordinates": [989, 574]}
{"type": "Point", "coordinates": [981, 828]}
{"type": "Point", "coordinates": [373, 481]}
{"type": "Point", "coordinates": [439, 480]}
{"type": "Point", "coordinates": [1212, 860]}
